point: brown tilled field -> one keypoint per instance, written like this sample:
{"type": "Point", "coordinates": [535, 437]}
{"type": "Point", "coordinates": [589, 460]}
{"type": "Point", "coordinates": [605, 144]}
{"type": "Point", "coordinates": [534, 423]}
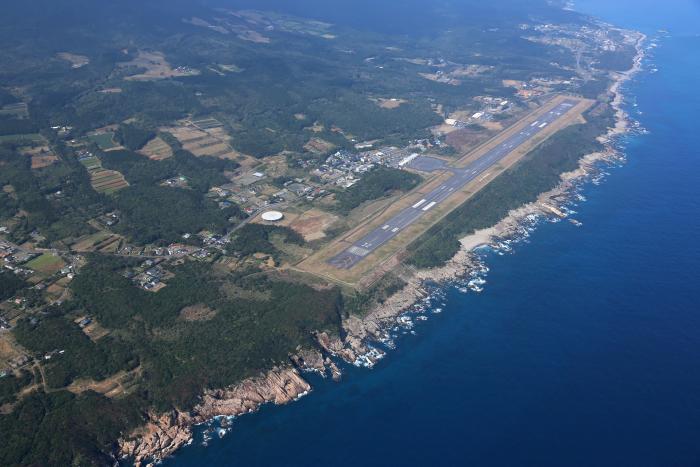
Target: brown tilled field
{"type": "Point", "coordinates": [156, 67]}
{"type": "Point", "coordinates": [318, 145]}
{"type": "Point", "coordinates": [156, 149]}
{"type": "Point", "coordinates": [41, 156]}
{"type": "Point", "coordinates": [391, 103]}
{"type": "Point", "coordinates": [204, 137]}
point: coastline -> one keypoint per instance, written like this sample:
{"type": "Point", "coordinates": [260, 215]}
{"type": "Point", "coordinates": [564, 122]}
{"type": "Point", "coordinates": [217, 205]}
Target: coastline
{"type": "Point", "coordinates": [163, 434]}
{"type": "Point", "coordinates": [361, 332]}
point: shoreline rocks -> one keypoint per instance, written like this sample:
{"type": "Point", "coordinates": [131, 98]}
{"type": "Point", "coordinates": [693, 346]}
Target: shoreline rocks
{"type": "Point", "coordinates": [163, 434]}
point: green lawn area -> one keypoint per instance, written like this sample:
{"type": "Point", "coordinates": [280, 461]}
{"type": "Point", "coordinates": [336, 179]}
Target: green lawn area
{"type": "Point", "coordinates": [29, 137]}
{"type": "Point", "coordinates": [91, 163]}
{"type": "Point", "coordinates": [104, 140]}
{"type": "Point", "coordinates": [46, 264]}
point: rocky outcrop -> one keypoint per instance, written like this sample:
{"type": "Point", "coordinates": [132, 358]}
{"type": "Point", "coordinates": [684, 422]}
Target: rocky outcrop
{"type": "Point", "coordinates": [314, 361]}
{"type": "Point", "coordinates": [160, 437]}
{"type": "Point", "coordinates": [164, 433]}
{"type": "Point", "coordinates": [279, 386]}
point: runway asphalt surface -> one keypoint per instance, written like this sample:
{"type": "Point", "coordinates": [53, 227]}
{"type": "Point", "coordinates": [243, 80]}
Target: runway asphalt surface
{"type": "Point", "coordinates": [461, 176]}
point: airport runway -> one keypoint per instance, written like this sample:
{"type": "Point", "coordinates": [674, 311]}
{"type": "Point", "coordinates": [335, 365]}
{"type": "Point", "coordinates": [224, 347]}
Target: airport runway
{"type": "Point", "coordinates": [461, 176]}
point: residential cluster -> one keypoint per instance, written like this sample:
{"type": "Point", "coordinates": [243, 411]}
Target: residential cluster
{"type": "Point", "coordinates": [149, 275]}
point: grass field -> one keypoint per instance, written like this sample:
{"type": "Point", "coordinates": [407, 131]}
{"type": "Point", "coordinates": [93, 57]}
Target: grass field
{"type": "Point", "coordinates": [29, 137]}
{"type": "Point", "coordinates": [104, 140]}
{"type": "Point", "coordinates": [91, 163]}
{"type": "Point", "coordinates": [46, 264]}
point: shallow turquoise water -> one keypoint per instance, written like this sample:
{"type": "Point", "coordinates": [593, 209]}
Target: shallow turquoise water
{"type": "Point", "coordinates": [582, 350]}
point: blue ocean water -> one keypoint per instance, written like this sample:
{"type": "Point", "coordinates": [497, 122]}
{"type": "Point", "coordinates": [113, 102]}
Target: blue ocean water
{"type": "Point", "coordinates": [584, 348]}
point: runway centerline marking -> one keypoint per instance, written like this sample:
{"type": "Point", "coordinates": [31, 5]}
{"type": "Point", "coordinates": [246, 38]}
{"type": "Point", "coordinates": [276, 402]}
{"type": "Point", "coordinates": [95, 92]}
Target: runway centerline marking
{"type": "Point", "coordinates": [349, 257]}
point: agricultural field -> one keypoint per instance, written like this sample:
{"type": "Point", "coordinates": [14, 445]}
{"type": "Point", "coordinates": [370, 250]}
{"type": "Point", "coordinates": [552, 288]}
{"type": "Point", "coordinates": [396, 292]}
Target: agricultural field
{"type": "Point", "coordinates": [222, 70]}
{"type": "Point", "coordinates": [9, 350]}
{"type": "Point", "coordinates": [391, 103]}
{"type": "Point", "coordinates": [91, 162]}
{"type": "Point", "coordinates": [92, 329]}
{"type": "Point", "coordinates": [101, 241]}
{"type": "Point", "coordinates": [76, 61]}
{"type": "Point", "coordinates": [18, 110]}
{"type": "Point", "coordinates": [104, 140]}
{"type": "Point", "coordinates": [107, 181]}
{"type": "Point", "coordinates": [204, 137]}
{"type": "Point", "coordinates": [46, 264]}
{"type": "Point", "coordinates": [101, 179]}
{"type": "Point", "coordinates": [22, 139]}
{"type": "Point", "coordinates": [311, 224]}
{"type": "Point", "coordinates": [41, 156]}
{"type": "Point", "coordinates": [154, 66]}
{"type": "Point", "coordinates": [156, 149]}
{"type": "Point", "coordinates": [319, 146]}
{"type": "Point", "coordinates": [58, 289]}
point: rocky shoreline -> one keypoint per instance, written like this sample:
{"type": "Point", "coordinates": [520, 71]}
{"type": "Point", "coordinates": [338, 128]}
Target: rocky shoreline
{"type": "Point", "coordinates": [165, 433]}
{"type": "Point", "coordinates": [362, 332]}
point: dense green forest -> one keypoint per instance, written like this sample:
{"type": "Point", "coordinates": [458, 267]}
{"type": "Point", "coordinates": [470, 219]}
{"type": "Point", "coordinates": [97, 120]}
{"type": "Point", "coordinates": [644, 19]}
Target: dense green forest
{"type": "Point", "coordinates": [255, 238]}
{"type": "Point", "coordinates": [157, 214]}
{"type": "Point", "coordinates": [248, 332]}
{"type": "Point", "coordinates": [82, 358]}
{"type": "Point", "coordinates": [61, 428]}
{"type": "Point", "coordinates": [133, 137]}
{"type": "Point", "coordinates": [375, 184]}
{"type": "Point", "coordinates": [153, 213]}
{"type": "Point", "coordinates": [202, 172]}
{"type": "Point", "coordinates": [9, 284]}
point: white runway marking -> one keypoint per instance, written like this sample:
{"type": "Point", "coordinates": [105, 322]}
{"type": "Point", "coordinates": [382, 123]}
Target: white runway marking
{"type": "Point", "coordinates": [430, 205]}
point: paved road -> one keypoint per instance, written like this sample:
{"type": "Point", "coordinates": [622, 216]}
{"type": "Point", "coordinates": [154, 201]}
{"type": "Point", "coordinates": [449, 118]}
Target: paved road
{"type": "Point", "coordinates": [461, 176]}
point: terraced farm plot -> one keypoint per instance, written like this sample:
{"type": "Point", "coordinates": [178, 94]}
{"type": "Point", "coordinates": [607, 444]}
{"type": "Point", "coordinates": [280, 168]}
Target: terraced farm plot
{"type": "Point", "coordinates": [156, 149]}
{"type": "Point", "coordinates": [16, 110]}
{"type": "Point", "coordinates": [207, 123]}
{"type": "Point", "coordinates": [204, 137]}
{"type": "Point", "coordinates": [101, 179]}
{"type": "Point", "coordinates": [107, 181]}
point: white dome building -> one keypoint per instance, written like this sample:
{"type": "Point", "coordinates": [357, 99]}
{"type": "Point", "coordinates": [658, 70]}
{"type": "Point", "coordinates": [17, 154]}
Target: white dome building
{"type": "Point", "coordinates": [272, 216]}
